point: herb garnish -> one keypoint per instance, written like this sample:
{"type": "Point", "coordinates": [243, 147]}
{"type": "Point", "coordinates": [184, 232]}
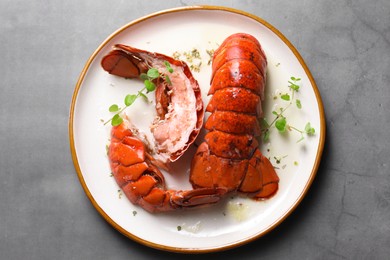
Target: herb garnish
{"type": "Point", "coordinates": [280, 120]}
{"type": "Point", "coordinates": [194, 58]}
{"type": "Point", "coordinates": [149, 78]}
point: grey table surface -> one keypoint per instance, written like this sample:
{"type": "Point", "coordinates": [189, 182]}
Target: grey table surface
{"type": "Point", "coordinates": [44, 212]}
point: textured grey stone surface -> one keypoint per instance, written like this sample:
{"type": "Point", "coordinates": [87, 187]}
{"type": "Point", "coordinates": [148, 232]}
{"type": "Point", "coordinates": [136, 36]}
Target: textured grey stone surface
{"type": "Point", "coordinates": [44, 212]}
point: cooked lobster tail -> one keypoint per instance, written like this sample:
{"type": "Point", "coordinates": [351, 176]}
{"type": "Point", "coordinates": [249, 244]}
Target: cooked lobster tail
{"type": "Point", "coordinates": [143, 183]}
{"type": "Point", "coordinates": [230, 157]}
{"type": "Point", "coordinates": [179, 104]}
{"type": "Point", "coordinates": [179, 119]}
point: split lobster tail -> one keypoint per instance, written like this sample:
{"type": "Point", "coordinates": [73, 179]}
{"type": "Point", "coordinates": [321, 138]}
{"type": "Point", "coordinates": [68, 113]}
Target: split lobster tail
{"type": "Point", "coordinates": [179, 104]}
{"type": "Point", "coordinates": [143, 183]}
{"type": "Point", "coordinates": [230, 157]}
{"type": "Point", "coordinates": [179, 119]}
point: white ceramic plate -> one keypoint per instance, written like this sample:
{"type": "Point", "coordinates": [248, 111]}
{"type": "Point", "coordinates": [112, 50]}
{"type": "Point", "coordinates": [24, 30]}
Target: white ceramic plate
{"type": "Point", "coordinates": [234, 221]}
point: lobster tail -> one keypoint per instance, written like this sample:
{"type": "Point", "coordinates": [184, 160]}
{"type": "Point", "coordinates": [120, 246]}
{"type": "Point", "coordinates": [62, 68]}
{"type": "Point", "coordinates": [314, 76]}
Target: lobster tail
{"type": "Point", "coordinates": [230, 156]}
{"type": "Point", "coordinates": [179, 104]}
{"type": "Point", "coordinates": [143, 183]}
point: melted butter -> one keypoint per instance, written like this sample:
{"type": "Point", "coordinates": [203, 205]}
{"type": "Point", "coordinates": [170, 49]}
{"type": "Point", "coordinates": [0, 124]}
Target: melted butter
{"type": "Point", "coordinates": [238, 210]}
{"type": "Point", "coordinates": [195, 228]}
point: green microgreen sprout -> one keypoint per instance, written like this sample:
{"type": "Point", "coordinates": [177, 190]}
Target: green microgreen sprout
{"type": "Point", "coordinates": [168, 66]}
{"type": "Point", "coordinates": [280, 120]}
{"type": "Point", "coordinates": [150, 79]}
{"type": "Point", "coordinates": [309, 129]}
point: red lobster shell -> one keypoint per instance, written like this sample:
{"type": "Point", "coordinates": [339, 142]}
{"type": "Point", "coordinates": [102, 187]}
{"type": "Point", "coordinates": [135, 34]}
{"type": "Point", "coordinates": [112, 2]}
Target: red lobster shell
{"type": "Point", "coordinates": [180, 117]}
{"type": "Point", "coordinates": [179, 105]}
{"type": "Point", "coordinates": [230, 157]}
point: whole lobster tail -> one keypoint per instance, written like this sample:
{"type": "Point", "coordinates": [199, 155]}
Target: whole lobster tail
{"type": "Point", "coordinates": [230, 156]}
{"type": "Point", "coordinates": [143, 183]}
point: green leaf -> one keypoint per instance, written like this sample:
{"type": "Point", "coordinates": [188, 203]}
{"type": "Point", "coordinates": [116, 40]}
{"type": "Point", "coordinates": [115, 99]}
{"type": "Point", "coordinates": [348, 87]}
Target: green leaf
{"type": "Point", "coordinates": [143, 96]}
{"type": "Point", "coordinates": [168, 66]}
{"type": "Point", "coordinates": [129, 99]}
{"type": "Point", "coordinates": [113, 108]}
{"type": "Point", "coordinates": [295, 79]}
{"type": "Point", "coordinates": [116, 120]}
{"type": "Point", "coordinates": [281, 124]}
{"type": "Point", "coordinates": [266, 136]}
{"type": "Point", "coordinates": [275, 113]}
{"type": "Point", "coordinates": [168, 80]}
{"type": "Point", "coordinates": [150, 86]}
{"type": "Point", "coordinates": [143, 76]}
{"type": "Point", "coordinates": [285, 97]}
{"type": "Point", "coordinates": [298, 103]}
{"type": "Point", "coordinates": [153, 73]}
{"type": "Point", "coordinates": [264, 123]}
{"type": "Point", "coordinates": [294, 86]}
{"type": "Point", "coordinates": [309, 130]}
